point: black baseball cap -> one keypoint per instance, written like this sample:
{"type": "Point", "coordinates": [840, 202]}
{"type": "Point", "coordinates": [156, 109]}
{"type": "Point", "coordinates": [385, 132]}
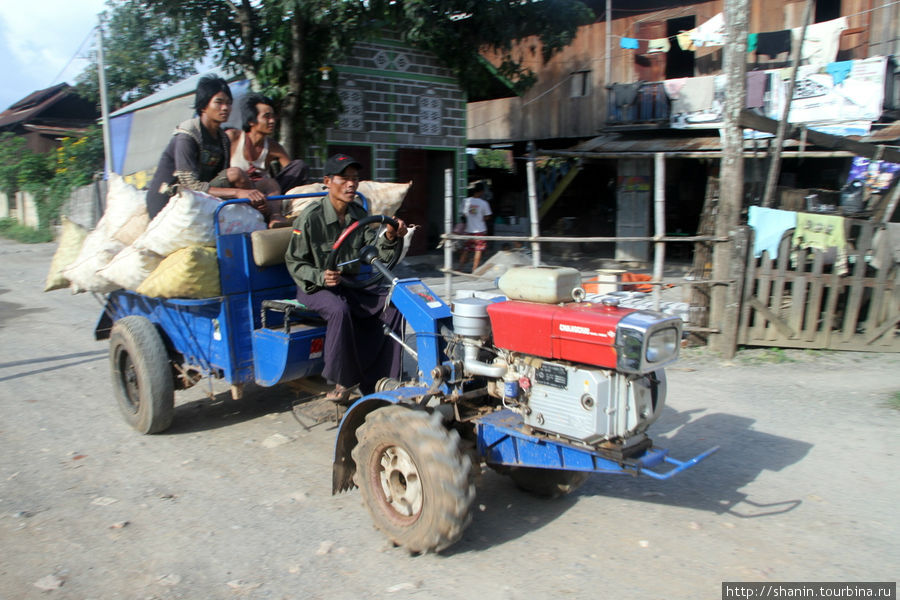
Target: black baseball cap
{"type": "Point", "coordinates": [336, 164]}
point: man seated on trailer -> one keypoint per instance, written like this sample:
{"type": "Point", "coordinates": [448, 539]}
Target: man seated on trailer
{"type": "Point", "coordinates": [256, 152]}
{"type": "Point", "coordinates": [356, 352]}
{"type": "Point", "coordinates": [197, 157]}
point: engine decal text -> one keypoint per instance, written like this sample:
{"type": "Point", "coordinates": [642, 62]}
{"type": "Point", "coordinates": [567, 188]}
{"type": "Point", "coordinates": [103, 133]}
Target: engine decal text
{"type": "Point", "coordinates": [583, 330]}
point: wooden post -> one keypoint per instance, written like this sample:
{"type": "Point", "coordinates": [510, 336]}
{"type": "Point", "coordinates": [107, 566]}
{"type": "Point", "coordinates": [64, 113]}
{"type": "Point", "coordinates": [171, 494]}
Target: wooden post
{"type": "Point", "coordinates": [659, 218]}
{"type": "Point", "coordinates": [448, 228]}
{"type": "Point", "coordinates": [723, 314]}
{"type": "Point", "coordinates": [607, 60]}
{"type": "Point", "coordinates": [778, 142]}
{"type": "Point", "coordinates": [533, 206]}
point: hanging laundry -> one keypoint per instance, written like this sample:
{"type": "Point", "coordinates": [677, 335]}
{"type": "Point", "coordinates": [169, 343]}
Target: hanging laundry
{"type": "Point", "coordinates": [773, 43]}
{"type": "Point", "coordinates": [822, 41]}
{"type": "Point", "coordinates": [751, 41]}
{"type": "Point", "coordinates": [628, 43]}
{"type": "Point", "coordinates": [823, 232]}
{"type": "Point", "coordinates": [673, 87]}
{"type": "Point", "coordinates": [686, 40]}
{"type": "Point", "coordinates": [769, 226]}
{"type": "Point", "coordinates": [756, 88]}
{"type": "Point", "coordinates": [711, 33]}
{"type": "Point", "coordinates": [658, 45]}
{"type": "Point", "coordinates": [696, 95]}
{"type": "Point", "coordinates": [839, 70]}
{"type": "Point", "coordinates": [892, 233]}
{"type": "Point", "coordinates": [624, 94]}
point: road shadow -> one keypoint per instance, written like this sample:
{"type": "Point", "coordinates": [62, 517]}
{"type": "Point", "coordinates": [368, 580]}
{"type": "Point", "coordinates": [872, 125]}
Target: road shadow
{"type": "Point", "coordinates": [63, 360]}
{"type": "Point", "coordinates": [220, 410]}
{"type": "Point", "coordinates": [504, 513]}
{"type": "Point", "coordinates": [14, 310]}
{"type": "Point", "coordinates": [713, 485]}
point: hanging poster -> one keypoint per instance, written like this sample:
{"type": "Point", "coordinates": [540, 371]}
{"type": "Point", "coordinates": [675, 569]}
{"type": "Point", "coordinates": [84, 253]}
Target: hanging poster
{"type": "Point", "coordinates": [859, 96]}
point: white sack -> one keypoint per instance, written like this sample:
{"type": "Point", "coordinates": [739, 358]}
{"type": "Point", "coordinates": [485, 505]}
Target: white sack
{"type": "Point", "coordinates": [384, 198]}
{"type": "Point", "coordinates": [187, 220]}
{"type": "Point", "coordinates": [121, 223]}
{"type": "Point", "coordinates": [129, 268]}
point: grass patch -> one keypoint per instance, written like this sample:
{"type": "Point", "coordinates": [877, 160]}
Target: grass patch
{"type": "Point", "coordinates": [765, 356]}
{"type": "Point", "coordinates": [894, 401]}
{"type": "Point", "coordinates": [13, 230]}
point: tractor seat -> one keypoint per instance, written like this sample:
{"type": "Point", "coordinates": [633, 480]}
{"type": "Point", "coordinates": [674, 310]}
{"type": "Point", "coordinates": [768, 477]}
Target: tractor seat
{"type": "Point", "coordinates": [294, 312]}
{"type": "Point", "coordinates": [269, 245]}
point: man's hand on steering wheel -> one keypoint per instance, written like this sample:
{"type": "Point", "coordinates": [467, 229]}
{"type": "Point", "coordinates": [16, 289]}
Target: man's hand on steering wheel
{"type": "Point", "coordinates": [332, 278]}
{"type": "Point", "coordinates": [393, 228]}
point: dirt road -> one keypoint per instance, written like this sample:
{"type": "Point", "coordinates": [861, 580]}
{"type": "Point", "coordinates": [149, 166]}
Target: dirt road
{"type": "Point", "coordinates": [235, 501]}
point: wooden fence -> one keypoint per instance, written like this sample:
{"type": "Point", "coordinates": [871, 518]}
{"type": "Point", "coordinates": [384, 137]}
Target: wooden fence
{"type": "Point", "coordinates": [802, 299]}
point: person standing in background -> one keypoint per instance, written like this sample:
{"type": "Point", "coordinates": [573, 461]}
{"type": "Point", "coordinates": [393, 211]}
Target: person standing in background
{"type": "Point", "coordinates": [476, 214]}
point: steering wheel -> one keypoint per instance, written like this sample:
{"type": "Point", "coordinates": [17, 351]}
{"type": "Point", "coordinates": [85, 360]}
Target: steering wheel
{"type": "Point", "coordinates": [363, 279]}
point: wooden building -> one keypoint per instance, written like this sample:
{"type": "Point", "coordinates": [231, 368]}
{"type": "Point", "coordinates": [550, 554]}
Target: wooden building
{"type": "Point", "coordinates": [46, 116]}
{"type": "Point", "coordinates": [573, 107]}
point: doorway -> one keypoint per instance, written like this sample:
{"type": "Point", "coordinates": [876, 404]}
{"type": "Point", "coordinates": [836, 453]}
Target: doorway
{"type": "Point", "coordinates": [424, 202]}
{"type": "Point", "coordinates": [679, 63]}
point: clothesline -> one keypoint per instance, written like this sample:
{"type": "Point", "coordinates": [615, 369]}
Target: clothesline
{"type": "Point", "coordinates": [674, 37]}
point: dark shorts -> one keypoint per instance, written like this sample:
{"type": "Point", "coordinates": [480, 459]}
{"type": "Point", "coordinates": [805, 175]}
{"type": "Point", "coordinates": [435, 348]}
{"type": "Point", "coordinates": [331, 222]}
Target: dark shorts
{"type": "Point", "coordinates": [476, 245]}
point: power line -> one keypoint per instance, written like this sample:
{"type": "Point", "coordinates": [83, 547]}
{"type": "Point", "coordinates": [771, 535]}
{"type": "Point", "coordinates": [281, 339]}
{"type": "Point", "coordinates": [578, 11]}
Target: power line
{"type": "Point", "coordinates": [74, 56]}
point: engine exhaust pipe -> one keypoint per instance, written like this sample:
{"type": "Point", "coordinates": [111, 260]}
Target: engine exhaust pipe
{"type": "Point", "coordinates": [475, 367]}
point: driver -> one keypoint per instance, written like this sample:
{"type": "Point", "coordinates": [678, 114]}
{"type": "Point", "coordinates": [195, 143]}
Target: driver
{"type": "Point", "coordinates": [356, 352]}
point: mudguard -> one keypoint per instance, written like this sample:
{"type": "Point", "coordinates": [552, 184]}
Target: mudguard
{"type": "Point", "coordinates": [344, 467]}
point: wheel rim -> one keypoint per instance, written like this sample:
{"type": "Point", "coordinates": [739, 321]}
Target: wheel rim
{"type": "Point", "coordinates": [128, 381]}
{"type": "Point", "coordinates": [397, 479]}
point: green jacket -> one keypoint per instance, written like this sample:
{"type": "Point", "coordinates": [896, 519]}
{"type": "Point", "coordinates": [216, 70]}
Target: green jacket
{"type": "Point", "coordinates": [315, 231]}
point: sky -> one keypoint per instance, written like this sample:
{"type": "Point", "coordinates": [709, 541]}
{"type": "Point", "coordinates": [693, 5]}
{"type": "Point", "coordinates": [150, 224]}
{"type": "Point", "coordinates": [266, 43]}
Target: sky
{"type": "Point", "coordinates": [38, 40]}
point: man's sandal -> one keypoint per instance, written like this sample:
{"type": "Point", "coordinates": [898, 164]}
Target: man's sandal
{"type": "Point", "coordinates": [340, 395]}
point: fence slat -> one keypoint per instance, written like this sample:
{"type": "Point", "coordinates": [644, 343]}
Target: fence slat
{"type": "Point", "coordinates": [814, 304]}
{"type": "Point", "coordinates": [856, 287]}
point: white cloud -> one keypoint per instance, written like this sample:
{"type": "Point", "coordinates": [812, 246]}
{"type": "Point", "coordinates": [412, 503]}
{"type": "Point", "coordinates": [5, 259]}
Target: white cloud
{"type": "Point", "coordinates": [38, 40]}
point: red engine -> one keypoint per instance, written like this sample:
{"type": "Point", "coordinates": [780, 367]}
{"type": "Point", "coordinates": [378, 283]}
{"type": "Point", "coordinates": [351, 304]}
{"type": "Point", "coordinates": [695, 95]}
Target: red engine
{"type": "Point", "coordinates": [578, 332]}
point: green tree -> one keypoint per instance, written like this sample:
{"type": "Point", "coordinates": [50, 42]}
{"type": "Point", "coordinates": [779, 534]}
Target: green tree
{"type": "Point", "coordinates": [457, 31]}
{"type": "Point", "coordinates": [493, 159]}
{"type": "Point", "coordinates": [49, 177]}
{"type": "Point", "coordinates": [143, 53]}
{"type": "Point", "coordinates": [281, 45]}
{"type": "Point", "coordinates": [12, 148]}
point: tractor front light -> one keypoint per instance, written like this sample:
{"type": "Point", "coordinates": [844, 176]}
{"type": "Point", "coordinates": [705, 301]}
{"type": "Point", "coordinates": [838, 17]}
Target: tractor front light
{"type": "Point", "coordinates": [647, 341]}
{"type": "Point", "coordinates": [662, 346]}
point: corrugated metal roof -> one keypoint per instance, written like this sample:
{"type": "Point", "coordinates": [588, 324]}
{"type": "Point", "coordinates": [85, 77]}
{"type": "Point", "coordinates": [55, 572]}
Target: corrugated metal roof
{"type": "Point", "coordinates": [884, 135]}
{"type": "Point", "coordinates": [703, 142]}
{"type": "Point", "coordinates": [176, 90]}
{"type": "Point", "coordinates": [618, 143]}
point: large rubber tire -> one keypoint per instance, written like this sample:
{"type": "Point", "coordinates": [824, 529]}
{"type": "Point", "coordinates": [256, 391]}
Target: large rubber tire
{"type": "Point", "coordinates": [141, 375]}
{"type": "Point", "coordinates": [549, 483]}
{"type": "Point", "coordinates": [414, 479]}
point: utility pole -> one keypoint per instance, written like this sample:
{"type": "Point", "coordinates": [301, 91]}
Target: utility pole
{"type": "Point", "coordinates": [778, 142]}
{"type": "Point", "coordinates": [104, 104]}
{"type": "Point", "coordinates": [724, 307]}
{"type": "Point", "coordinates": [607, 60]}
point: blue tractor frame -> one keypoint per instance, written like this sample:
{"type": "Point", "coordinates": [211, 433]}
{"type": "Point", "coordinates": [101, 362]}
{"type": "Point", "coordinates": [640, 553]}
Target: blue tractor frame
{"type": "Point", "coordinates": [239, 338]}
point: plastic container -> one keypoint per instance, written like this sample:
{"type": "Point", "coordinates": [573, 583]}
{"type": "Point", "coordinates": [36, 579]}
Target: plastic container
{"type": "Point", "coordinates": [549, 285]}
{"type": "Point", "coordinates": [606, 282]}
